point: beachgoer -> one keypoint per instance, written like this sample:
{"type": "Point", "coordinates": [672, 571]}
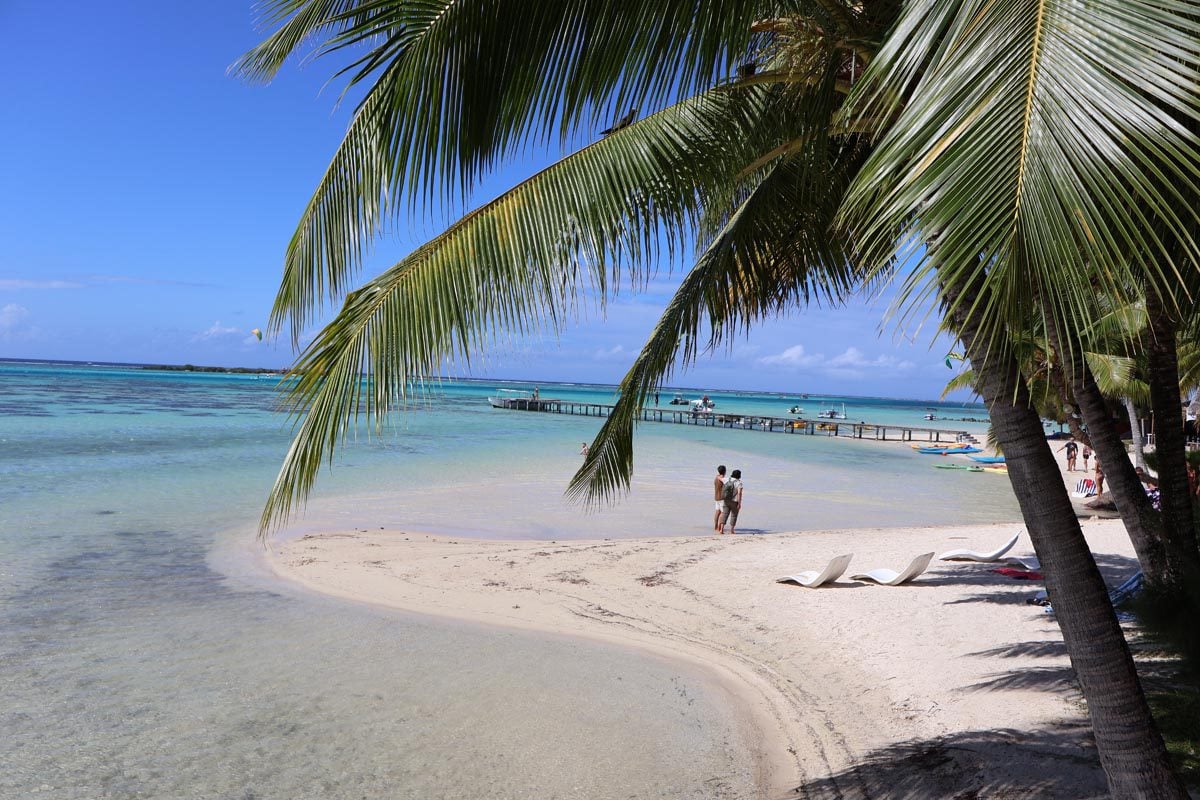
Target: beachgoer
{"type": "Point", "coordinates": [731, 497]}
{"type": "Point", "coordinates": [1071, 449]}
{"type": "Point", "coordinates": [583, 450]}
{"type": "Point", "coordinates": [718, 485]}
{"type": "Point", "coordinates": [1087, 453]}
{"type": "Point", "coordinates": [656, 398]}
{"type": "Point", "coordinates": [1099, 478]}
{"type": "Point", "coordinates": [536, 393]}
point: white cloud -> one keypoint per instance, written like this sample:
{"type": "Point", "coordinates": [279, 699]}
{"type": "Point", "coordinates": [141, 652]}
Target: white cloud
{"type": "Point", "coordinates": [851, 363]}
{"type": "Point", "coordinates": [853, 358]}
{"type": "Point", "coordinates": [25, 283]}
{"type": "Point", "coordinates": [615, 353]}
{"type": "Point", "coordinates": [794, 356]}
{"type": "Point", "coordinates": [12, 322]}
{"type": "Point", "coordinates": [216, 331]}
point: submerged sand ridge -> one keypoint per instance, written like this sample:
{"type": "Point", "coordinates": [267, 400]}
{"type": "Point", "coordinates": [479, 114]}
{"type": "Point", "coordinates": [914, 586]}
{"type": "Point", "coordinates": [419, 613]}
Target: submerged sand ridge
{"type": "Point", "coordinates": [951, 685]}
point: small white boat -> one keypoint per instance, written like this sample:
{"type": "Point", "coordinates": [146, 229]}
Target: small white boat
{"type": "Point", "coordinates": [832, 412]}
{"type": "Point", "coordinates": [704, 405]}
{"type": "Point", "coordinates": [679, 400]}
{"type": "Point", "coordinates": [797, 410]}
{"type": "Point", "coordinates": [507, 398]}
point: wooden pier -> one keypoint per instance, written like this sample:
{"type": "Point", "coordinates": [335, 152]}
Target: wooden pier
{"type": "Point", "coordinates": [682, 415]}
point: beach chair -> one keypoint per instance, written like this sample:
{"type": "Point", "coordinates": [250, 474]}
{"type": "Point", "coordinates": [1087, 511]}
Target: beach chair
{"type": "Point", "coordinates": [971, 555]}
{"type": "Point", "coordinates": [812, 579]}
{"type": "Point", "coordinates": [887, 577]}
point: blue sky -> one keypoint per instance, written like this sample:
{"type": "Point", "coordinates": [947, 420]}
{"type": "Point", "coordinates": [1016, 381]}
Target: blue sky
{"type": "Point", "coordinates": [149, 196]}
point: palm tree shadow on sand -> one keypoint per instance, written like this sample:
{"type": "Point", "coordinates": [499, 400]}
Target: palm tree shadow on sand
{"type": "Point", "coordinates": [1053, 762]}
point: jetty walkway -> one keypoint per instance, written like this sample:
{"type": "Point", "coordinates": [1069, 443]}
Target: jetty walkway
{"type": "Point", "coordinates": [686, 416]}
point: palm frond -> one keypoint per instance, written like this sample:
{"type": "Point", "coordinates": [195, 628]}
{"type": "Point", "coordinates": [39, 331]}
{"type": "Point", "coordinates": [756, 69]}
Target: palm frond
{"type": "Point", "coordinates": [522, 263]}
{"type": "Point", "coordinates": [1044, 144]}
{"type": "Point", "coordinates": [1119, 326]}
{"type": "Point", "coordinates": [458, 84]}
{"type": "Point", "coordinates": [775, 252]}
{"type": "Point", "coordinates": [963, 380]}
{"type": "Point", "coordinates": [1116, 376]}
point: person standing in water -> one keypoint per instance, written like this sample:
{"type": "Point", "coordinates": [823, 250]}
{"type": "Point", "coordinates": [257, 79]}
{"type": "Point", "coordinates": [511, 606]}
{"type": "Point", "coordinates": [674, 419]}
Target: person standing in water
{"type": "Point", "coordinates": [718, 486]}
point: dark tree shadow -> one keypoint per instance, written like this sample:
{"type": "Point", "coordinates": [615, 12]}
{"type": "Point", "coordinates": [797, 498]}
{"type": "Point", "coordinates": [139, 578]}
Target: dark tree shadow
{"type": "Point", "coordinates": [1026, 650]}
{"type": "Point", "coordinates": [1026, 678]}
{"type": "Point", "coordinates": [1050, 763]}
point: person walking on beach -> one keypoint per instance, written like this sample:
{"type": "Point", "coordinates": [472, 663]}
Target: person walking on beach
{"type": "Point", "coordinates": [731, 498]}
{"type": "Point", "coordinates": [1099, 478]}
{"type": "Point", "coordinates": [583, 450]}
{"type": "Point", "coordinates": [718, 486]}
{"type": "Point", "coordinates": [1087, 453]}
{"type": "Point", "coordinates": [1071, 449]}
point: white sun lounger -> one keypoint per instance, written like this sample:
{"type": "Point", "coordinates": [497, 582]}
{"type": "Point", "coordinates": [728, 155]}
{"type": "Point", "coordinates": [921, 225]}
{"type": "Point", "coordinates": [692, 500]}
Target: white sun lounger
{"type": "Point", "coordinates": [971, 555]}
{"type": "Point", "coordinates": [813, 579]}
{"type": "Point", "coordinates": [1024, 562]}
{"type": "Point", "coordinates": [888, 577]}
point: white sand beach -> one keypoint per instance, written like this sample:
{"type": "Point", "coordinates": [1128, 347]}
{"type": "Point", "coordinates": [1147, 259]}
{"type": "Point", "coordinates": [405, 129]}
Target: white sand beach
{"type": "Point", "coordinates": [950, 686]}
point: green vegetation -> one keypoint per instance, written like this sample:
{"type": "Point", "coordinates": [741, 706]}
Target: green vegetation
{"type": "Point", "coordinates": [194, 368]}
{"type": "Point", "coordinates": [1177, 712]}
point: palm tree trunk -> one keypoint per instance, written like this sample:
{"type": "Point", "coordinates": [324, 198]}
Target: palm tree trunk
{"type": "Point", "coordinates": [1135, 433]}
{"type": "Point", "coordinates": [1143, 524]}
{"type": "Point", "coordinates": [1067, 397]}
{"type": "Point", "coordinates": [1170, 443]}
{"type": "Point", "coordinates": [1131, 750]}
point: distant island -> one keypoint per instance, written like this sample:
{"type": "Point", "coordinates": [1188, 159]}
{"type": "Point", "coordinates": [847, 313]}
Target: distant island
{"type": "Point", "coordinates": [194, 368]}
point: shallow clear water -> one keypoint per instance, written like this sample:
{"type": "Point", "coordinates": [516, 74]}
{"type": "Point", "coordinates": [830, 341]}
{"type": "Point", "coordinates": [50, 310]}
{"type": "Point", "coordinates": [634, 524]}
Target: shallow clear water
{"type": "Point", "coordinates": [144, 652]}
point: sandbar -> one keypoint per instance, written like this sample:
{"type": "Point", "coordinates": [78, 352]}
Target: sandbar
{"type": "Point", "coordinates": [953, 685]}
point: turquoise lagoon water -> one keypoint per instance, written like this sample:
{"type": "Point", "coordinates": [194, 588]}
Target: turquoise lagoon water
{"type": "Point", "coordinates": [145, 652]}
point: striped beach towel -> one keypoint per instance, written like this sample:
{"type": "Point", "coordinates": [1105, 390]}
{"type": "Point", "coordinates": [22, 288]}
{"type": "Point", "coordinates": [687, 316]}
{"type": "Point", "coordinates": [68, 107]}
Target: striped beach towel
{"type": "Point", "coordinates": [1085, 488]}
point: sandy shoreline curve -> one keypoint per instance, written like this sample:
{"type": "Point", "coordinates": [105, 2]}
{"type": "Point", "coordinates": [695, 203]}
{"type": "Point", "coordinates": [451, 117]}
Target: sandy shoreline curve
{"type": "Point", "coordinates": [950, 685]}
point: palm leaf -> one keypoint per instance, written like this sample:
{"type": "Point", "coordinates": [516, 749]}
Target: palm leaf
{"type": "Point", "coordinates": [1115, 376]}
{"type": "Point", "coordinates": [522, 263]}
{"type": "Point", "coordinates": [963, 380]}
{"type": "Point", "coordinates": [460, 83]}
{"type": "Point", "coordinates": [768, 257]}
{"type": "Point", "coordinates": [1040, 142]}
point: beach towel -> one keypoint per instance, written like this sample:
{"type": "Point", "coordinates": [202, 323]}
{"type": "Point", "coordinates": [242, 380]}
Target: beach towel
{"type": "Point", "coordinates": [1019, 574]}
{"type": "Point", "coordinates": [1085, 488]}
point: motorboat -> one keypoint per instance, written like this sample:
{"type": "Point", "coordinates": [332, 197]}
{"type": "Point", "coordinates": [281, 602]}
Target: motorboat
{"type": "Point", "coordinates": [797, 410]}
{"type": "Point", "coordinates": [931, 416]}
{"type": "Point", "coordinates": [508, 398]}
{"type": "Point", "coordinates": [679, 400]}
{"type": "Point", "coordinates": [832, 412]}
{"type": "Point", "coordinates": [704, 405]}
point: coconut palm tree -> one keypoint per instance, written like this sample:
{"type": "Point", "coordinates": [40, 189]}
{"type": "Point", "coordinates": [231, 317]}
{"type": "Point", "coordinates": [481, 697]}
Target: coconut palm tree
{"type": "Point", "coordinates": [1105, 369]}
{"type": "Point", "coordinates": [758, 166]}
{"type": "Point", "coordinates": [1026, 157]}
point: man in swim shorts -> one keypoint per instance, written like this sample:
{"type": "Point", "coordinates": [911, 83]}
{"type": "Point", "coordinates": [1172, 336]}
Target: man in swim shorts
{"type": "Point", "coordinates": [1071, 449]}
{"type": "Point", "coordinates": [731, 494]}
{"type": "Point", "coordinates": [718, 485]}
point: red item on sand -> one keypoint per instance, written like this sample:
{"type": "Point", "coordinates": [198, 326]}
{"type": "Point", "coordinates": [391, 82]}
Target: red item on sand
{"type": "Point", "coordinates": [1019, 574]}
